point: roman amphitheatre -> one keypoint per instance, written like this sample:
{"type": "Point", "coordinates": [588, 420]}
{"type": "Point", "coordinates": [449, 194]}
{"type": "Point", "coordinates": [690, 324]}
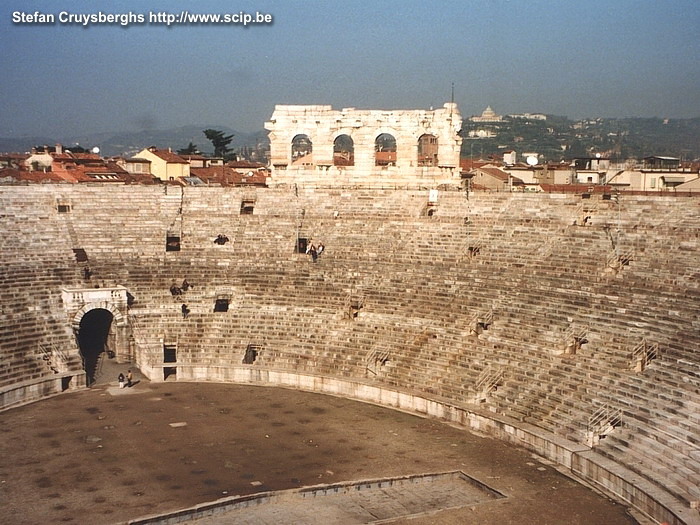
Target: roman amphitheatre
{"type": "Point", "coordinates": [452, 356]}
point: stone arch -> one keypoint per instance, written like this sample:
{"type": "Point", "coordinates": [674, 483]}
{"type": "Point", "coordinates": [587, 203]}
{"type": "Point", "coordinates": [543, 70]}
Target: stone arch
{"type": "Point", "coordinates": [427, 150]}
{"type": "Point", "coordinates": [343, 150]}
{"type": "Point", "coordinates": [119, 330]}
{"type": "Point", "coordinates": [118, 317]}
{"type": "Point", "coordinates": [302, 150]}
{"type": "Point", "coordinates": [385, 149]}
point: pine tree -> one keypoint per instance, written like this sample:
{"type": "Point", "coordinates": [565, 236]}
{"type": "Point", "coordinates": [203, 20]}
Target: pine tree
{"type": "Point", "coordinates": [219, 141]}
{"type": "Point", "coordinates": [191, 149]}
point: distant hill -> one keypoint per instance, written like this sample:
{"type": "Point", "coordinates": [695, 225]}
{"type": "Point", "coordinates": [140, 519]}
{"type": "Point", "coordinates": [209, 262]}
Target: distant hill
{"type": "Point", "coordinates": [23, 144]}
{"type": "Point", "coordinates": [131, 142]}
{"type": "Point", "coordinates": [562, 138]}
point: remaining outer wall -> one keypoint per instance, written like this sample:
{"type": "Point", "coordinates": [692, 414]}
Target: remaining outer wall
{"type": "Point", "coordinates": [323, 125]}
{"type": "Point", "coordinates": [577, 460]}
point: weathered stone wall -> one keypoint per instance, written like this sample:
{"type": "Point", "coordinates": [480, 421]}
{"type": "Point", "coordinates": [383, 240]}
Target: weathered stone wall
{"type": "Point", "coordinates": [322, 125]}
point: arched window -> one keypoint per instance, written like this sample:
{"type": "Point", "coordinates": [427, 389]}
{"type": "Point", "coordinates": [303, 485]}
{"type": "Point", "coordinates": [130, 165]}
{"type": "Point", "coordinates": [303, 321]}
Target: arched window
{"type": "Point", "coordinates": [427, 150]}
{"type": "Point", "coordinates": [343, 151]}
{"type": "Point", "coordinates": [385, 150]}
{"type": "Point", "coordinates": [302, 151]}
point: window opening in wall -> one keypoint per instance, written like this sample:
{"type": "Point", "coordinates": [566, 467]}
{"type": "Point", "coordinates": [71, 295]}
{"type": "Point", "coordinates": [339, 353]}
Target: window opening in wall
{"type": "Point", "coordinates": [172, 243]}
{"type": "Point", "coordinates": [247, 207]}
{"type": "Point", "coordinates": [607, 197]}
{"type": "Point", "coordinates": [302, 243]}
{"type": "Point", "coordinates": [385, 150]}
{"type": "Point", "coordinates": [169, 353]}
{"type": "Point", "coordinates": [221, 304]}
{"type": "Point", "coordinates": [585, 195]}
{"type": "Point", "coordinates": [64, 208]}
{"type": "Point", "coordinates": [302, 149]}
{"type": "Point", "coordinates": [427, 150]}
{"type": "Point", "coordinates": [251, 353]}
{"type": "Point", "coordinates": [474, 251]}
{"type": "Point", "coordinates": [343, 151]}
{"type": "Point", "coordinates": [80, 255]}
{"type": "Point", "coordinates": [480, 322]}
{"type": "Point", "coordinates": [169, 371]}
{"type": "Point", "coordinates": [353, 305]}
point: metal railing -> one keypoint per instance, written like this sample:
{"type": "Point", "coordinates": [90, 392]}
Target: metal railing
{"type": "Point", "coordinates": [643, 354]}
{"type": "Point", "coordinates": [601, 423]}
{"type": "Point", "coordinates": [375, 359]}
{"type": "Point", "coordinates": [489, 379]}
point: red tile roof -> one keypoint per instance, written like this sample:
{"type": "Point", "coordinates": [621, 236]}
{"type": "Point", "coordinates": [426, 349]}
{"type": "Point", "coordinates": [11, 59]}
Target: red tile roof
{"type": "Point", "coordinates": [227, 176]}
{"type": "Point", "coordinates": [168, 156]}
{"type": "Point", "coordinates": [73, 173]}
{"type": "Point", "coordinates": [470, 164]}
{"type": "Point", "coordinates": [10, 172]}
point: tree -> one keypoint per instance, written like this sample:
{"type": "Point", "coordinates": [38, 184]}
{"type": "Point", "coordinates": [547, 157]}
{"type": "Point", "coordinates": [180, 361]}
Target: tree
{"type": "Point", "coordinates": [191, 149]}
{"type": "Point", "coordinates": [219, 141]}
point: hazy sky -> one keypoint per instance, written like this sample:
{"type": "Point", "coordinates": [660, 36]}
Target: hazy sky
{"type": "Point", "coordinates": [608, 58]}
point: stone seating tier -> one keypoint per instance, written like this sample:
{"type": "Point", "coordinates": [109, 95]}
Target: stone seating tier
{"type": "Point", "coordinates": [420, 289]}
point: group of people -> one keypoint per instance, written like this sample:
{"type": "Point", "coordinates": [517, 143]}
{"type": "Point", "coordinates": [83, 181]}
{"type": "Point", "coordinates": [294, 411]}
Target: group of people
{"type": "Point", "coordinates": [179, 290]}
{"type": "Point", "coordinates": [314, 252]}
{"type": "Point", "coordinates": [127, 380]}
{"type": "Point", "coordinates": [221, 240]}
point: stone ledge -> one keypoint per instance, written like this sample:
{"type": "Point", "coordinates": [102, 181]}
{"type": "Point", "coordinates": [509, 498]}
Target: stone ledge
{"type": "Point", "coordinates": [18, 394]}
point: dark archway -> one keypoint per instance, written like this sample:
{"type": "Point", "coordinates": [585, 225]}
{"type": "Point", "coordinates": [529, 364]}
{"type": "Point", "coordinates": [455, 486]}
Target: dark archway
{"type": "Point", "coordinates": [385, 150]}
{"type": "Point", "coordinates": [302, 149]}
{"type": "Point", "coordinates": [343, 151]}
{"type": "Point", "coordinates": [93, 339]}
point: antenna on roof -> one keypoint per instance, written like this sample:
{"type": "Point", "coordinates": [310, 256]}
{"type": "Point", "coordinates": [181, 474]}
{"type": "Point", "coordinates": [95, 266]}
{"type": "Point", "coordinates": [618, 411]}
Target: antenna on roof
{"type": "Point", "coordinates": [452, 99]}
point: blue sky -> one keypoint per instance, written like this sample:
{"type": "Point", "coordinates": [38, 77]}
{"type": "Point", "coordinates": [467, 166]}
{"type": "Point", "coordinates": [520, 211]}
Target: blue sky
{"type": "Point", "coordinates": [612, 58]}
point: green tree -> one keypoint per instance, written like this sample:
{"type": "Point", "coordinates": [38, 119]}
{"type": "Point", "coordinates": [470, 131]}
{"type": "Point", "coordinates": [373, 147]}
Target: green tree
{"type": "Point", "coordinates": [219, 141]}
{"type": "Point", "coordinates": [191, 149]}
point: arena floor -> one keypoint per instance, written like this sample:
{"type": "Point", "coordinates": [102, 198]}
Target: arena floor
{"type": "Point", "coordinates": [106, 455]}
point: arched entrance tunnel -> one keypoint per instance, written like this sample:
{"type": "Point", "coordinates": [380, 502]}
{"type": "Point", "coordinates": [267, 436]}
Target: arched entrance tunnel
{"type": "Point", "coordinates": [94, 339]}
